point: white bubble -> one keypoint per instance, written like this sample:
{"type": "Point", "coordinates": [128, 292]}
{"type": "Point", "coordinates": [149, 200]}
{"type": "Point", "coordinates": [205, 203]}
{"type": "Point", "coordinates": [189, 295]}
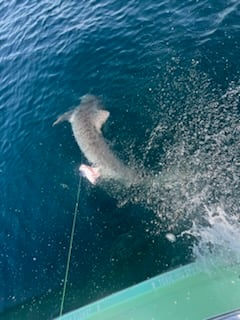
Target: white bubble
{"type": "Point", "coordinates": [171, 237]}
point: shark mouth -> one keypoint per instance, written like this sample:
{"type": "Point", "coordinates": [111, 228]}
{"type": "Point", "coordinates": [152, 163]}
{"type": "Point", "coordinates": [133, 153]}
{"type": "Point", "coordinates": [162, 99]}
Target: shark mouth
{"type": "Point", "coordinates": [91, 173]}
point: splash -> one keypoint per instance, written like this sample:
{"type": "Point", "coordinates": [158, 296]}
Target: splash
{"type": "Point", "coordinates": [201, 192]}
{"type": "Point", "coordinates": [193, 185]}
{"type": "Point", "coordinates": [218, 239]}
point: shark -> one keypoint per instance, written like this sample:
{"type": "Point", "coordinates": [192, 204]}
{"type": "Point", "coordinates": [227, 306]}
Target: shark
{"type": "Point", "coordinates": [86, 121]}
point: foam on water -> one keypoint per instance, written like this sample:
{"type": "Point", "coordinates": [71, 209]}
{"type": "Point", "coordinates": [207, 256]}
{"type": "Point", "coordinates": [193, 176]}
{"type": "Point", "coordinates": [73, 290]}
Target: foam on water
{"type": "Point", "coordinates": [219, 238]}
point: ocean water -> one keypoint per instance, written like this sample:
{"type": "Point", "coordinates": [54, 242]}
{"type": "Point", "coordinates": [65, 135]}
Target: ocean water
{"type": "Point", "coordinates": [168, 72]}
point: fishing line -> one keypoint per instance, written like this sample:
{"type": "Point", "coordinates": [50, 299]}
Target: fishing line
{"type": "Point", "coordinates": [70, 247]}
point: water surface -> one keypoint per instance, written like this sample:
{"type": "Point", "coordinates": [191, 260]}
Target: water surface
{"type": "Point", "coordinates": [169, 75]}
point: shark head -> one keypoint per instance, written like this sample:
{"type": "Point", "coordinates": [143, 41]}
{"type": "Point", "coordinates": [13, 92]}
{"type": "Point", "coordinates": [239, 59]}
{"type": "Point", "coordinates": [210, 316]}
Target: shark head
{"type": "Point", "coordinates": [92, 107]}
{"type": "Point", "coordinates": [91, 173]}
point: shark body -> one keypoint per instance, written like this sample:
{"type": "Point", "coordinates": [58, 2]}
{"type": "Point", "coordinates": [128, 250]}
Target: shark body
{"type": "Point", "coordinates": [87, 121]}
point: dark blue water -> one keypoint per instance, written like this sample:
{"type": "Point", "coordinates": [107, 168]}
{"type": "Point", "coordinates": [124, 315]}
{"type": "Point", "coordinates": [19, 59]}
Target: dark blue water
{"type": "Point", "coordinates": [151, 62]}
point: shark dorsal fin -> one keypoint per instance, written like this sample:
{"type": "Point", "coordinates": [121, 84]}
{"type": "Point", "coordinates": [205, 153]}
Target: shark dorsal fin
{"type": "Point", "coordinates": [100, 118]}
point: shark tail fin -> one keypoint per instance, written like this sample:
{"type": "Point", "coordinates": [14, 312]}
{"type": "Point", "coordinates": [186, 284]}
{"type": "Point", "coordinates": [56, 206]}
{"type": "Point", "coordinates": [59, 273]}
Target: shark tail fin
{"type": "Point", "coordinates": [64, 117]}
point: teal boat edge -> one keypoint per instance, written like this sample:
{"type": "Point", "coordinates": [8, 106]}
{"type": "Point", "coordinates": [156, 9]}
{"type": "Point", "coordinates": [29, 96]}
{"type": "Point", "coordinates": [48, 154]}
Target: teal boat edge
{"type": "Point", "coordinates": [188, 292]}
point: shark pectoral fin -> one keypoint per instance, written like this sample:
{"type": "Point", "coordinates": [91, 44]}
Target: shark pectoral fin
{"type": "Point", "coordinates": [64, 117]}
{"type": "Point", "coordinates": [100, 119]}
{"type": "Point", "coordinates": [91, 173]}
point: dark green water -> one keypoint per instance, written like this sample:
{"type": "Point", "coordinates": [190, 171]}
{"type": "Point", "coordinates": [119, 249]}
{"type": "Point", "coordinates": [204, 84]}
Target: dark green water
{"type": "Point", "coordinates": [169, 75]}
